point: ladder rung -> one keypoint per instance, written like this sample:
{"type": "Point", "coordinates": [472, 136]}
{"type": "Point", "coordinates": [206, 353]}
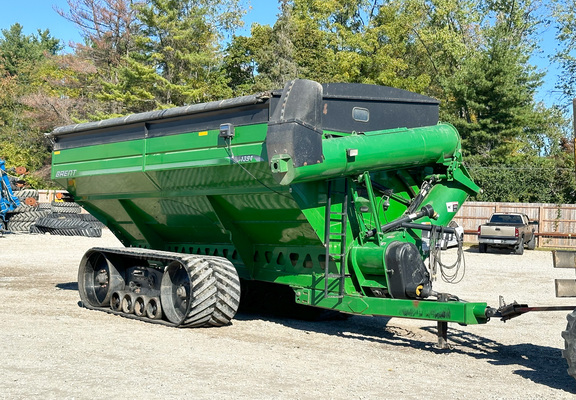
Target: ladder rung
{"type": "Point", "coordinates": [338, 238]}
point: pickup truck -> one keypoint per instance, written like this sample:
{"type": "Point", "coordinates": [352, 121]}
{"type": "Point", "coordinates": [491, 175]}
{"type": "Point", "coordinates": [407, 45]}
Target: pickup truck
{"type": "Point", "coordinates": [510, 230]}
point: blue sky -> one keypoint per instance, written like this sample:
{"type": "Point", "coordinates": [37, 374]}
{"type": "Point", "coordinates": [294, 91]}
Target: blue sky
{"type": "Point", "coordinates": [39, 14]}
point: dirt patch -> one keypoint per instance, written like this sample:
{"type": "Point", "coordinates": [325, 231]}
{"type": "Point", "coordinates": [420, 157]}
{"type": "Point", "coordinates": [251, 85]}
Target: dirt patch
{"type": "Point", "coordinates": [53, 348]}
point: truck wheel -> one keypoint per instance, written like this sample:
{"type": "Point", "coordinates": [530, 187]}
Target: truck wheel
{"type": "Point", "coordinates": [569, 336]}
{"type": "Point", "coordinates": [482, 247]}
{"type": "Point", "coordinates": [532, 243]}
{"type": "Point", "coordinates": [520, 248]}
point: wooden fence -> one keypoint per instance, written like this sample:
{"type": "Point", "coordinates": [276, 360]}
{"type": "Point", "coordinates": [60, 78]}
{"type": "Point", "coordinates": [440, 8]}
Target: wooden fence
{"type": "Point", "coordinates": [556, 222]}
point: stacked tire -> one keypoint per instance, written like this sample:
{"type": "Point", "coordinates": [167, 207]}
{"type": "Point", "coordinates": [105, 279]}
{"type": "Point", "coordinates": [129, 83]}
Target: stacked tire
{"type": "Point", "coordinates": [28, 200]}
{"type": "Point", "coordinates": [65, 219]}
{"type": "Point", "coordinates": [22, 217]}
{"type": "Point", "coordinates": [23, 221]}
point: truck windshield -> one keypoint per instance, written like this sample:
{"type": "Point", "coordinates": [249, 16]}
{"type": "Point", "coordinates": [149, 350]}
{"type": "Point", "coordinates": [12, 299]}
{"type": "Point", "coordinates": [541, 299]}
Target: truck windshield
{"type": "Point", "coordinates": [506, 219]}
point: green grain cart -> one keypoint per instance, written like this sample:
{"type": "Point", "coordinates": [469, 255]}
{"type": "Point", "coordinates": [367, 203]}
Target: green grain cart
{"type": "Point", "coordinates": [325, 189]}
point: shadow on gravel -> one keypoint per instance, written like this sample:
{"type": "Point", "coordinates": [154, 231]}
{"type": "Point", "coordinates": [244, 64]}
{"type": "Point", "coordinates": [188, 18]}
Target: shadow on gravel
{"type": "Point", "coordinates": [496, 250]}
{"type": "Point", "coordinates": [493, 250]}
{"type": "Point", "coordinates": [540, 364]}
{"type": "Point", "coordinates": [68, 286]}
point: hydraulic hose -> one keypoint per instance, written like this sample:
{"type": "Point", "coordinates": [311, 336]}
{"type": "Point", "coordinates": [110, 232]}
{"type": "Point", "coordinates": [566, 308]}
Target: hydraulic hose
{"type": "Point", "coordinates": [426, 211]}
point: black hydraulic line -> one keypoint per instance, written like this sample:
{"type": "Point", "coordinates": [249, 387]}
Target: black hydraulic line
{"type": "Point", "coordinates": [390, 193]}
{"type": "Point", "coordinates": [426, 211]}
{"type": "Point", "coordinates": [428, 227]}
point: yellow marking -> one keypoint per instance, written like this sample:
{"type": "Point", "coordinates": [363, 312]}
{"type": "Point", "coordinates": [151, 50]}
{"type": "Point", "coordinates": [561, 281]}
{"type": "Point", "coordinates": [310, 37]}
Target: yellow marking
{"type": "Point", "coordinates": [57, 152]}
{"type": "Point", "coordinates": [419, 290]}
{"type": "Point", "coordinates": [204, 133]}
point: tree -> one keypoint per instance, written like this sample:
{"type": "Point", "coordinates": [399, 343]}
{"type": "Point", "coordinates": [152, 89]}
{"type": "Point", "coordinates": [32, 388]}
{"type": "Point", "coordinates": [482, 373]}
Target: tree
{"type": "Point", "coordinates": [21, 56]}
{"type": "Point", "coordinates": [19, 52]}
{"type": "Point", "coordinates": [109, 28]}
{"type": "Point", "coordinates": [490, 94]}
{"type": "Point", "coordinates": [564, 15]}
{"type": "Point", "coordinates": [176, 58]}
{"type": "Point", "coordinates": [239, 65]}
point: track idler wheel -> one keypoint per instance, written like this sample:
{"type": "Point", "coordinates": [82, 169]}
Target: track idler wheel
{"type": "Point", "coordinates": [98, 279]}
{"type": "Point", "coordinates": [188, 293]}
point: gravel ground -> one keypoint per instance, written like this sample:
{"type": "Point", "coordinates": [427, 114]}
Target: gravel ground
{"type": "Point", "coordinates": [53, 348]}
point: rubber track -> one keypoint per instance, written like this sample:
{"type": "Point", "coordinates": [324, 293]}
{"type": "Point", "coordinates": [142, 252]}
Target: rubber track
{"type": "Point", "coordinates": [19, 226]}
{"type": "Point", "coordinates": [65, 207]}
{"type": "Point", "coordinates": [228, 296]}
{"type": "Point", "coordinates": [25, 193]}
{"type": "Point", "coordinates": [67, 227]}
{"type": "Point", "coordinates": [87, 232]}
{"type": "Point", "coordinates": [28, 216]}
{"type": "Point", "coordinates": [23, 208]}
{"type": "Point", "coordinates": [84, 217]}
{"type": "Point", "coordinates": [61, 223]}
{"type": "Point", "coordinates": [209, 307]}
{"type": "Point", "coordinates": [204, 291]}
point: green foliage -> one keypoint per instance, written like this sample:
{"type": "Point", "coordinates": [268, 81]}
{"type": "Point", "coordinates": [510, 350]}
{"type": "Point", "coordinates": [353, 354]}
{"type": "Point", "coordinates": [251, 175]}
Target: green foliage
{"type": "Point", "coordinates": [19, 52]}
{"type": "Point", "coordinates": [22, 57]}
{"type": "Point", "coordinates": [239, 66]}
{"type": "Point", "coordinates": [526, 179]}
{"type": "Point", "coordinates": [564, 15]}
{"type": "Point", "coordinates": [495, 113]}
{"type": "Point", "coordinates": [32, 157]}
{"type": "Point", "coordinates": [175, 56]}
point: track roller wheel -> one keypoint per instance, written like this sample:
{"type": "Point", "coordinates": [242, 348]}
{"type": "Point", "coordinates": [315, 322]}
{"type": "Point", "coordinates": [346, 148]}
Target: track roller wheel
{"type": "Point", "coordinates": [569, 336]}
{"type": "Point", "coordinates": [128, 303]}
{"type": "Point", "coordinates": [116, 301]}
{"type": "Point", "coordinates": [188, 293]}
{"type": "Point", "coordinates": [98, 278]}
{"type": "Point", "coordinates": [140, 305]}
{"type": "Point", "coordinates": [153, 308]}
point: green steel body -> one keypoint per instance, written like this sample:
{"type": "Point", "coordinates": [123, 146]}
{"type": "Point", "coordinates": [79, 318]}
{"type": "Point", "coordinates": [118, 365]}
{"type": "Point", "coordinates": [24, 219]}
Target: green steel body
{"type": "Point", "coordinates": [197, 192]}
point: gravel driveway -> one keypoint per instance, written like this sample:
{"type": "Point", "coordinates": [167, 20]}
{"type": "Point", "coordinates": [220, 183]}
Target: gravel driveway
{"type": "Point", "coordinates": [53, 348]}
